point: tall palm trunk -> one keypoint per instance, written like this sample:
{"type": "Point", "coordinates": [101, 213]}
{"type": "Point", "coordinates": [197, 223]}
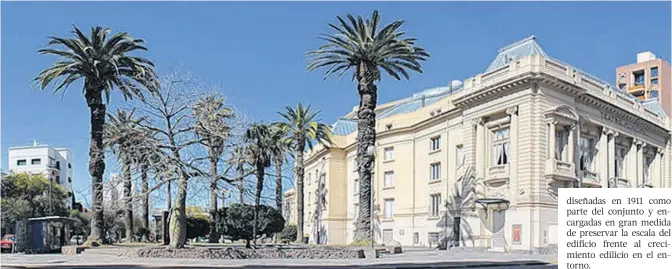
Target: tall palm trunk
{"type": "Point", "coordinates": [366, 137]}
{"type": "Point", "coordinates": [96, 159]}
{"type": "Point", "coordinates": [298, 175]}
{"type": "Point", "coordinates": [257, 201]}
{"type": "Point", "coordinates": [214, 236]}
{"type": "Point", "coordinates": [241, 186]}
{"type": "Point", "coordinates": [278, 184]}
{"type": "Point", "coordinates": [145, 196]}
{"type": "Point", "coordinates": [128, 201]}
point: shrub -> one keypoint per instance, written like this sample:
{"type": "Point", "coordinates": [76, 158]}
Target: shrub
{"type": "Point", "coordinates": [288, 233]}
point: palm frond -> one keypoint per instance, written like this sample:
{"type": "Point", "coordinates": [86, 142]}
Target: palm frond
{"type": "Point", "coordinates": [359, 42]}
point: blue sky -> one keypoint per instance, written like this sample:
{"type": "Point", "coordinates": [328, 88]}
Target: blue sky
{"type": "Point", "coordinates": [256, 51]}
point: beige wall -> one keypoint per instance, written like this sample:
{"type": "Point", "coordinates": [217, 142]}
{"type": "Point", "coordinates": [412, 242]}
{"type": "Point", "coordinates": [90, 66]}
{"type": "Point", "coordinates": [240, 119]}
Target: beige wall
{"type": "Point", "coordinates": [531, 106]}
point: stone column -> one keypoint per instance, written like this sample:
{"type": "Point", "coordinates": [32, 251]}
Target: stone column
{"type": "Point", "coordinates": [660, 168]}
{"type": "Point", "coordinates": [513, 154]}
{"type": "Point", "coordinates": [629, 165]}
{"type": "Point", "coordinates": [603, 158]}
{"type": "Point", "coordinates": [639, 162]}
{"type": "Point", "coordinates": [611, 156]}
{"type": "Point", "coordinates": [551, 142]}
{"type": "Point", "coordinates": [480, 148]}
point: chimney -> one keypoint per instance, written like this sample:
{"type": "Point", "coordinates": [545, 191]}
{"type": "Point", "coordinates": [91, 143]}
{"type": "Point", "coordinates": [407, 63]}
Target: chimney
{"type": "Point", "coordinates": [423, 101]}
{"type": "Point", "coordinates": [645, 56]}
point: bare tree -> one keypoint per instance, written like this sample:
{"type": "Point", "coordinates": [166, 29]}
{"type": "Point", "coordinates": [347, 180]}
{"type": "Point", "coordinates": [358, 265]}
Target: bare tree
{"type": "Point", "coordinates": [213, 128]}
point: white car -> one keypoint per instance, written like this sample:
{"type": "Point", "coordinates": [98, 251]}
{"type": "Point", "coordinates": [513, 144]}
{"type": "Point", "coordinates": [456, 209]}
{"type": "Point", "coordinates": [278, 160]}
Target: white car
{"type": "Point", "coordinates": [77, 240]}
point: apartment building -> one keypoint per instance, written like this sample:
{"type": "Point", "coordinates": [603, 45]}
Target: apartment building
{"type": "Point", "coordinates": [649, 79]}
{"type": "Point", "coordinates": [53, 163]}
{"type": "Point", "coordinates": [484, 158]}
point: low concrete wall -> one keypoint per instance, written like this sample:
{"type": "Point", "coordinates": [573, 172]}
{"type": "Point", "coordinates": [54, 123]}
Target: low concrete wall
{"type": "Point", "coordinates": [241, 253]}
{"type": "Point", "coordinates": [71, 250]}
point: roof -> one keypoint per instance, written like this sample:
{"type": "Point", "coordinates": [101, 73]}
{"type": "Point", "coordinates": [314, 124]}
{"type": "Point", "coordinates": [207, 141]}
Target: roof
{"type": "Point", "coordinates": [523, 48]}
{"type": "Point", "coordinates": [344, 126]}
{"type": "Point", "coordinates": [654, 106]}
{"type": "Point", "coordinates": [520, 49]}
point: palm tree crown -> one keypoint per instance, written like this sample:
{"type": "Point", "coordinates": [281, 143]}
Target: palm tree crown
{"type": "Point", "coordinates": [360, 42]}
{"type": "Point", "coordinates": [103, 64]}
{"type": "Point", "coordinates": [302, 128]}
{"type": "Point", "coordinates": [122, 134]}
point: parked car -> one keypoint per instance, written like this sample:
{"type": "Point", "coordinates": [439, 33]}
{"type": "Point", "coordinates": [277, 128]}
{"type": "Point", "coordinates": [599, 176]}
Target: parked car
{"type": "Point", "coordinates": [7, 242]}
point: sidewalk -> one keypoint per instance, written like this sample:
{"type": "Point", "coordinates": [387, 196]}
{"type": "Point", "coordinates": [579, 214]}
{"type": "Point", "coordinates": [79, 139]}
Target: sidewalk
{"type": "Point", "coordinates": [423, 259]}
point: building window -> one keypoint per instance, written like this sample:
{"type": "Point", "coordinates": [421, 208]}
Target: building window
{"type": "Point", "coordinates": [647, 166]}
{"type": "Point", "coordinates": [460, 156]}
{"type": "Point", "coordinates": [309, 197]}
{"type": "Point", "coordinates": [69, 180]}
{"type": "Point", "coordinates": [654, 81]}
{"type": "Point", "coordinates": [58, 180]}
{"type": "Point", "coordinates": [69, 165]}
{"type": "Point", "coordinates": [435, 205]}
{"type": "Point", "coordinates": [500, 146]}
{"type": "Point", "coordinates": [388, 179]}
{"type": "Point", "coordinates": [387, 235]}
{"type": "Point", "coordinates": [654, 94]}
{"type": "Point", "coordinates": [587, 154]}
{"type": "Point", "coordinates": [35, 161]}
{"type": "Point", "coordinates": [416, 238]}
{"type": "Point", "coordinates": [654, 72]}
{"type": "Point", "coordinates": [389, 154]}
{"type": "Point", "coordinates": [561, 144]}
{"type": "Point", "coordinates": [21, 162]}
{"type": "Point", "coordinates": [639, 77]}
{"type": "Point", "coordinates": [309, 178]}
{"type": "Point", "coordinates": [435, 143]}
{"type": "Point", "coordinates": [433, 238]}
{"type": "Point", "coordinates": [389, 208]}
{"type": "Point", "coordinates": [619, 161]}
{"type": "Point", "coordinates": [435, 171]}
{"type": "Point", "coordinates": [356, 187]}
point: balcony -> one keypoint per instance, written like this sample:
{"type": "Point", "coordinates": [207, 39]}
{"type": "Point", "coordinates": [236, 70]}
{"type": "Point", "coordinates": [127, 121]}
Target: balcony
{"type": "Point", "coordinates": [560, 170]}
{"type": "Point", "coordinates": [591, 179]}
{"type": "Point", "coordinates": [497, 174]}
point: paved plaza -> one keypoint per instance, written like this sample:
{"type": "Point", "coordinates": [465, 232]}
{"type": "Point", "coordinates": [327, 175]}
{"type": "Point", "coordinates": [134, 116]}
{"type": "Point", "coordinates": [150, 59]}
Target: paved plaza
{"type": "Point", "coordinates": [409, 259]}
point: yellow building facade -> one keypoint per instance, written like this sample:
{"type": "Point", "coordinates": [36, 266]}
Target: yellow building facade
{"type": "Point", "coordinates": [488, 155]}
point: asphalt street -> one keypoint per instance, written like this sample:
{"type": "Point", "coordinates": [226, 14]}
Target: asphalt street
{"type": "Point", "coordinates": [388, 266]}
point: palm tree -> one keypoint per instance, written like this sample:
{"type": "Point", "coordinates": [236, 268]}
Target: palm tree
{"type": "Point", "coordinates": [104, 65]}
{"type": "Point", "coordinates": [213, 129]}
{"type": "Point", "coordinates": [302, 130]}
{"type": "Point", "coordinates": [259, 150]}
{"type": "Point", "coordinates": [279, 155]}
{"type": "Point", "coordinates": [360, 45]}
{"type": "Point", "coordinates": [238, 160]}
{"type": "Point", "coordinates": [121, 133]}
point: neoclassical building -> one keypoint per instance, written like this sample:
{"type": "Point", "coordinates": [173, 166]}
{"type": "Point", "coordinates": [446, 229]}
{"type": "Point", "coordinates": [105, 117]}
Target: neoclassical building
{"type": "Point", "coordinates": [484, 158]}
